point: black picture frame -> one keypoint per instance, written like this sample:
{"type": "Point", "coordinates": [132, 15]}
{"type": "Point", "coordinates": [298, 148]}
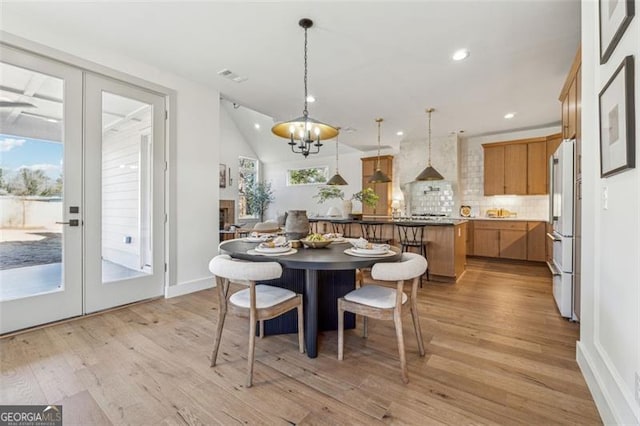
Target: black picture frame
{"type": "Point", "coordinates": [608, 45]}
{"type": "Point", "coordinates": [223, 175]}
{"type": "Point", "coordinates": [616, 111]}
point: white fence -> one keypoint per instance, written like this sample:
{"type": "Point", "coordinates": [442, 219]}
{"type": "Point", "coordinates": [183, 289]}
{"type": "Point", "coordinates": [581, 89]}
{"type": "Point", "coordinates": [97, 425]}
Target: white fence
{"type": "Point", "coordinates": [29, 212]}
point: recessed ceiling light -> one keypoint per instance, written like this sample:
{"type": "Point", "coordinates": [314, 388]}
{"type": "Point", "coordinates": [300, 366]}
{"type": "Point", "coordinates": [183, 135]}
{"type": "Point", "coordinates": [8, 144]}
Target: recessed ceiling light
{"type": "Point", "coordinates": [257, 126]}
{"type": "Point", "coordinates": [510, 115]}
{"type": "Point", "coordinates": [461, 54]}
{"type": "Point", "coordinates": [400, 133]}
{"type": "Point", "coordinates": [310, 98]}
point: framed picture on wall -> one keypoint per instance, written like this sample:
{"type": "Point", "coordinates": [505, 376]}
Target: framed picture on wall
{"type": "Point", "coordinates": [223, 175]}
{"type": "Point", "coordinates": [617, 121]}
{"type": "Point", "coordinates": [614, 17]}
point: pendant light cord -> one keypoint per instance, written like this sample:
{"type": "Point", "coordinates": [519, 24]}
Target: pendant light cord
{"type": "Point", "coordinates": [379, 120]}
{"type": "Point", "coordinates": [430, 110]}
{"type": "Point", "coordinates": [305, 112]}
{"type": "Point", "coordinates": [337, 171]}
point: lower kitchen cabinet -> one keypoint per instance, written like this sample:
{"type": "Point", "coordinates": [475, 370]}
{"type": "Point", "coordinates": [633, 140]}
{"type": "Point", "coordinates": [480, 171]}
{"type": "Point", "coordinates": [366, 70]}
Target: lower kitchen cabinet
{"type": "Point", "coordinates": [517, 240]}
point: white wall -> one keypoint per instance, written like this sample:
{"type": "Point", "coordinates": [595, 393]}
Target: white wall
{"type": "Point", "coordinates": [609, 346]}
{"type": "Point", "coordinates": [535, 207]}
{"type": "Point", "coordinates": [193, 202]}
{"type": "Point", "coordinates": [301, 197]}
{"type": "Point", "coordinates": [232, 146]}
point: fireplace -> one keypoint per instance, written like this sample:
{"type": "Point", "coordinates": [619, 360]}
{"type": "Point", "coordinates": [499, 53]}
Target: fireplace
{"type": "Point", "coordinates": [227, 213]}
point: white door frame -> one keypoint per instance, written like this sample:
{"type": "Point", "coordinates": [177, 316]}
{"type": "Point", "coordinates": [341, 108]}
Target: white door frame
{"type": "Point", "coordinates": [99, 295]}
{"type": "Point", "coordinates": [66, 303]}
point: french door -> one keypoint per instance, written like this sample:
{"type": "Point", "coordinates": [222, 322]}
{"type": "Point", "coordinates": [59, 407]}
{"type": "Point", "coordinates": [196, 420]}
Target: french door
{"type": "Point", "coordinates": [124, 193]}
{"type": "Point", "coordinates": [81, 192]}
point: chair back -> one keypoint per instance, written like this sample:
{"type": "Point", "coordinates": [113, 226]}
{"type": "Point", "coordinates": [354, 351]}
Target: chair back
{"type": "Point", "coordinates": [411, 265]}
{"type": "Point", "coordinates": [372, 231]}
{"type": "Point", "coordinates": [341, 227]}
{"type": "Point", "coordinates": [243, 271]}
{"type": "Point", "coordinates": [410, 234]}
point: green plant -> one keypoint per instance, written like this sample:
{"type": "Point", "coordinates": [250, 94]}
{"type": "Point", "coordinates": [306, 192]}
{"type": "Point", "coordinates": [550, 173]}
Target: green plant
{"type": "Point", "coordinates": [258, 195]}
{"type": "Point", "coordinates": [328, 192]}
{"type": "Point", "coordinates": [367, 196]}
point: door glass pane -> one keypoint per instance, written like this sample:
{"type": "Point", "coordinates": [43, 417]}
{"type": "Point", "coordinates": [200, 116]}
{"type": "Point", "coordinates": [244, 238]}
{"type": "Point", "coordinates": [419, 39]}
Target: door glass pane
{"type": "Point", "coordinates": [127, 146]}
{"type": "Point", "coordinates": [31, 182]}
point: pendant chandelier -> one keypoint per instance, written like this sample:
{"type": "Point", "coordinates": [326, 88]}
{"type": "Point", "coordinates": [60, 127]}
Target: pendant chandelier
{"type": "Point", "coordinates": [378, 176]}
{"type": "Point", "coordinates": [337, 179]}
{"type": "Point", "coordinates": [429, 173]}
{"type": "Point", "coordinates": [305, 133]}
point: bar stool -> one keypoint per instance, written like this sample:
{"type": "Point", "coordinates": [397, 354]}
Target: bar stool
{"type": "Point", "coordinates": [386, 303]}
{"type": "Point", "coordinates": [372, 231]}
{"type": "Point", "coordinates": [313, 226]}
{"type": "Point", "coordinates": [257, 302]}
{"type": "Point", "coordinates": [341, 227]}
{"type": "Point", "coordinates": [412, 235]}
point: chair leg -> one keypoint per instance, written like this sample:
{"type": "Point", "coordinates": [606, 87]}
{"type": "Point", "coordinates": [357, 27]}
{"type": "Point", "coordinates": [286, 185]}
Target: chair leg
{"type": "Point", "coordinates": [365, 327]}
{"type": "Point", "coordinates": [416, 326]}
{"type": "Point", "coordinates": [261, 329]}
{"type": "Point", "coordinates": [300, 326]}
{"type": "Point", "coordinates": [340, 330]}
{"type": "Point", "coordinates": [397, 320]}
{"type": "Point", "coordinates": [222, 313]}
{"type": "Point", "coordinates": [252, 349]}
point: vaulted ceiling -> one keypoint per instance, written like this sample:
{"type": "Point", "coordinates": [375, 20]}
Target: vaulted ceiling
{"type": "Point", "coordinates": [367, 59]}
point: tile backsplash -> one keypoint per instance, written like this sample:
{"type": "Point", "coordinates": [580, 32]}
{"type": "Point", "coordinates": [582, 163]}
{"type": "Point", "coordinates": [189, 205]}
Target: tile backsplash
{"type": "Point", "coordinates": [435, 197]}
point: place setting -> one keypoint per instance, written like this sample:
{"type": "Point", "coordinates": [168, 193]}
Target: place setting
{"type": "Point", "coordinates": [278, 246]}
{"type": "Point", "coordinates": [360, 247]}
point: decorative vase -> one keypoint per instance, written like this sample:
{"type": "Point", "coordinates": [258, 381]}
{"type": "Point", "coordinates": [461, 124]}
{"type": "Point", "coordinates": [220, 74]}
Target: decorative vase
{"type": "Point", "coordinates": [347, 208]}
{"type": "Point", "coordinates": [296, 225]}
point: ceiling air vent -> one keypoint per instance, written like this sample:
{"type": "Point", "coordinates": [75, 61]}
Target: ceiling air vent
{"type": "Point", "coordinates": [230, 75]}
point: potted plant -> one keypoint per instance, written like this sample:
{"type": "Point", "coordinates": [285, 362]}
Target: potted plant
{"type": "Point", "coordinates": [258, 195]}
{"type": "Point", "coordinates": [329, 192]}
{"type": "Point", "coordinates": [367, 197]}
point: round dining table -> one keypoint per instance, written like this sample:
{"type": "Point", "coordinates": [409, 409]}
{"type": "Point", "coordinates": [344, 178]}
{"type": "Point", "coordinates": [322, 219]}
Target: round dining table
{"type": "Point", "coordinates": [322, 275]}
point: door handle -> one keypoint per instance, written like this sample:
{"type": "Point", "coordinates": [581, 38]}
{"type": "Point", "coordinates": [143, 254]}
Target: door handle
{"type": "Point", "coordinates": [72, 222]}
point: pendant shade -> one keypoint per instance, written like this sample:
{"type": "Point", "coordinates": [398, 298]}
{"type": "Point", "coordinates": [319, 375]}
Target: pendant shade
{"type": "Point", "coordinates": [379, 176]}
{"type": "Point", "coordinates": [337, 180]}
{"type": "Point", "coordinates": [429, 173]}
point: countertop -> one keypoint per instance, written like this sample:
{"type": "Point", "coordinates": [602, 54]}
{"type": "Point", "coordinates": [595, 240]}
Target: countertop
{"type": "Point", "coordinates": [503, 219]}
{"type": "Point", "coordinates": [434, 221]}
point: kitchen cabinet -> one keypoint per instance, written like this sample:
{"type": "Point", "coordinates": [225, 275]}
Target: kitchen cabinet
{"type": "Point", "coordinates": [383, 190]}
{"type": "Point", "coordinates": [505, 240]}
{"type": "Point", "coordinates": [536, 241]}
{"type": "Point", "coordinates": [537, 168]}
{"type": "Point", "coordinates": [470, 238]}
{"type": "Point", "coordinates": [517, 167]}
{"type": "Point", "coordinates": [446, 251]}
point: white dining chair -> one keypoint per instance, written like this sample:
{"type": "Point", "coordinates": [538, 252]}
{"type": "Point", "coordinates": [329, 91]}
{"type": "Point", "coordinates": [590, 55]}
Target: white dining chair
{"type": "Point", "coordinates": [256, 302]}
{"type": "Point", "coordinates": [375, 301]}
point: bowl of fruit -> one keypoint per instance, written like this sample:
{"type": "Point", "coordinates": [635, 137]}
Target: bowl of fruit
{"type": "Point", "coordinates": [315, 241]}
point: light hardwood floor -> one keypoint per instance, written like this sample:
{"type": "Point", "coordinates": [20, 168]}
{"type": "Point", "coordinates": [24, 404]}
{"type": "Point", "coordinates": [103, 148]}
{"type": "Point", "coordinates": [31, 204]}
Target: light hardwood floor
{"type": "Point", "coordinates": [497, 353]}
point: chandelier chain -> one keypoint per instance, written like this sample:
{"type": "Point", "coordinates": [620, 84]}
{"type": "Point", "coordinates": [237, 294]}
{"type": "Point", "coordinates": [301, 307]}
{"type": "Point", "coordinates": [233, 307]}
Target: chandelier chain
{"type": "Point", "coordinates": [429, 138]}
{"type": "Point", "coordinates": [305, 112]}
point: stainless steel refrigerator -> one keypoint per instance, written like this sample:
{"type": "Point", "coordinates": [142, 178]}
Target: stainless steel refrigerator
{"type": "Point", "coordinates": [561, 200]}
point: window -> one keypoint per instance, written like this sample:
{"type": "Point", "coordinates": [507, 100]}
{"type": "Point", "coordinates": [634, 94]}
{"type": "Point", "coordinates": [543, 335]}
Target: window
{"type": "Point", "coordinates": [248, 174]}
{"type": "Point", "coordinates": [308, 176]}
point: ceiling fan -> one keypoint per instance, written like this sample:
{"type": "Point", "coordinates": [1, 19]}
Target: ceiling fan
{"type": "Point", "coordinates": [10, 104]}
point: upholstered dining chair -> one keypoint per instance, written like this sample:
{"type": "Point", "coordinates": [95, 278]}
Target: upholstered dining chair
{"type": "Point", "coordinates": [375, 301]}
{"type": "Point", "coordinates": [256, 302]}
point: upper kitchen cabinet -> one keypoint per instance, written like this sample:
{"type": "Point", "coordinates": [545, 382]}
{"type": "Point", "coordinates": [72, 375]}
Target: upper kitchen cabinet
{"type": "Point", "coordinates": [383, 208]}
{"type": "Point", "coordinates": [569, 96]}
{"type": "Point", "coordinates": [516, 167]}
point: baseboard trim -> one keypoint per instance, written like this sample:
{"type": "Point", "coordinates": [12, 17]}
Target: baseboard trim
{"type": "Point", "coordinates": [189, 287]}
{"type": "Point", "coordinates": [595, 385]}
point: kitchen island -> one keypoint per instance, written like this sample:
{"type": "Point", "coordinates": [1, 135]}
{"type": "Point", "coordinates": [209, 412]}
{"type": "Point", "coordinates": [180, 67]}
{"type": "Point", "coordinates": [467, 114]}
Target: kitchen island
{"type": "Point", "coordinates": [446, 240]}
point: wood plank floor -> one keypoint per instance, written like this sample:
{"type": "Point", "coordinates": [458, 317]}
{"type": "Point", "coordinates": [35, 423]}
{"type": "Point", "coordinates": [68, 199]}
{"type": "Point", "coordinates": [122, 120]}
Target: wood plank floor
{"type": "Point", "coordinates": [497, 353]}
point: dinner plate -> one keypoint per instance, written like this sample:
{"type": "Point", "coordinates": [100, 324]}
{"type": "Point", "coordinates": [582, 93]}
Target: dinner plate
{"type": "Point", "coordinates": [352, 252]}
{"type": "Point", "coordinates": [272, 249]}
{"type": "Point", "coordinates": [260, 239]}
{"type": "Point", "coordinates": [339, 240]}
{"type": "Point", "coordinates": [373, 250]}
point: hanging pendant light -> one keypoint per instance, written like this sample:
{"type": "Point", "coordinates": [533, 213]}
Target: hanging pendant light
{"type": "Point", "coordinates": [430, 173]}
{"type": "Point", "coordinates": [305, 133]}
{"type": "Point", "coordinates": [337, 179]}
{"type": "Point", "coordinates": [378, 176]}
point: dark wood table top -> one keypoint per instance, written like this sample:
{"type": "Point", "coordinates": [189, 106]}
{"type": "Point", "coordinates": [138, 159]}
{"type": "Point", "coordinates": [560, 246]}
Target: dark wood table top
{"type": "Point", "coordinates": [331, 257]}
